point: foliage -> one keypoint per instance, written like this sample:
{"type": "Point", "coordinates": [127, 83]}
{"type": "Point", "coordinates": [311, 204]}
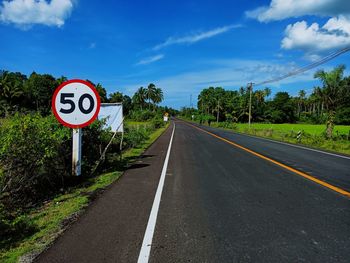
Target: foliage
{"type": "Point", "coordinates": [332, 93]}
{"type": "Point", "coordinates": [33, 157]}
{"type": "Point", "coordinates": [327, 104]}
{"type": "Point", "coordinates": [144, 115]}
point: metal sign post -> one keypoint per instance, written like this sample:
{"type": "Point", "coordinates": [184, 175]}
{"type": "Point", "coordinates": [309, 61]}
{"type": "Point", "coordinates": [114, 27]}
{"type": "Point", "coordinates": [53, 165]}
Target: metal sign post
{"type": "Point", "coordinates": [76, 153]}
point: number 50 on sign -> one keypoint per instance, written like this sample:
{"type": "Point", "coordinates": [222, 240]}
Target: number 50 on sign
{"type": "Point", "coordinates": [76, 103]}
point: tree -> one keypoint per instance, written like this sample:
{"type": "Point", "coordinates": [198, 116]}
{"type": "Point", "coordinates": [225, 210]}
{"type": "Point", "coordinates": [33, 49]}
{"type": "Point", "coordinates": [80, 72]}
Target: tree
{"type": "Point", "coordinates": [40, 89]}
{"type": "Point", "coordinates": [158, 96]}
{"type": "Point", "coordinates": [115, 97]}
{"type": "Point", "coordinates": [267, 92]}
{"type": "Point", "coordinates": [139, 97]}
{"type": "Point", "coordinates": [126, 104]}
{"type": "Point", "coordinates": [281, 108]}
{"type": "Point", "coordinates": [102, 92]}
{"type": "Point", "coordinates": [301, 101]}
{"type": "Point", "coordinates": [331, 93]}
{"type": "Point", "coordinates": [150, 93]}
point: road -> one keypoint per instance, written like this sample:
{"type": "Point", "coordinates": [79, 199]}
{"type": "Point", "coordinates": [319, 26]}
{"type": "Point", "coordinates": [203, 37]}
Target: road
{"type": "Point", "coordinates": [205, 195]}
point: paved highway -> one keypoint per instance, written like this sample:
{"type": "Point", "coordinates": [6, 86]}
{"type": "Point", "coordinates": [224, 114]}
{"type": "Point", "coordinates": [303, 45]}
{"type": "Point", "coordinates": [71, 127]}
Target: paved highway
{"type": "Point", "coordinates": [205, 195]}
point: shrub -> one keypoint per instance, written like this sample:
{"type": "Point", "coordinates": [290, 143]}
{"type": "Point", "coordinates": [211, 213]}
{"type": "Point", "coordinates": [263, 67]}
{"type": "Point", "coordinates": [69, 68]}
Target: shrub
{"type": "Point", "coordinates": [95, 139]}
{"type": "Point", "coordinates": [157, 123]}
{"type": "Point", "coordinates": [34, 154]}
{"type": "Point", "coordinates": [35, 157]}
{"type": "Point", "coordinates": [144, 115]}
{"type": "Point", "coordinates": [134, 137]}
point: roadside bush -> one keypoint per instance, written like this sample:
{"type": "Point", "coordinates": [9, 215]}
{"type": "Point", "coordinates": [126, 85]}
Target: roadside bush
{"type": "Point", "coordinates": [35, 158]}
{"type": "Point", "coordinates": [157, 123]}
{"type": "Point", "coordinates": [134, 137]}
{"type": "Point", "coordinates": [95, 139]}
{"type": "Point", "coordinates": [34, 154]}
{"type": "Point", "coordinates": [144, 115]}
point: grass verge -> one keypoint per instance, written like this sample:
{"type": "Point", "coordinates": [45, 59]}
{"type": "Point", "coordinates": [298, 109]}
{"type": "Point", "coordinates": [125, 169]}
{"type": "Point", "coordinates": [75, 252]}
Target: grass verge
{"type": "Point", "coordinates": [53, 217]}
{"type": "Point", "coordinates": [312, 135]}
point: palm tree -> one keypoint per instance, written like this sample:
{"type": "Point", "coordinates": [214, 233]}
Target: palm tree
{"type": "Point", "coordinates": [150, 93]}
{"type": "Point", "coordinates": [116, 97]}
{"type": "Point", "coordinates": [259, 95]}
{"type": "Point", "coordinates": [267, 92]}
{"type": "Point", "coordinates": [139, 97]}
{"type": "Point", "coordinates": [331, 93]}
{"type": "Point", "coordinates": [9, 92]}
{"type": "Point", "coordinates": [158, 96]}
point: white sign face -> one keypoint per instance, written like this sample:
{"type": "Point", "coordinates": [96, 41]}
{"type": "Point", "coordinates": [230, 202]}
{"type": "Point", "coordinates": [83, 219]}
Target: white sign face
{"type": "Point", "coordinates": [76, 103]}
{"type": "Point", "coordinates": [112, 113]}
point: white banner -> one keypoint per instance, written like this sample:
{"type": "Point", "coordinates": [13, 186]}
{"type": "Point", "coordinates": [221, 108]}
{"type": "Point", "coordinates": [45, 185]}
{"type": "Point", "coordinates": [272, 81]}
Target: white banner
{"type": "Point", "coordinates": [112, 113]}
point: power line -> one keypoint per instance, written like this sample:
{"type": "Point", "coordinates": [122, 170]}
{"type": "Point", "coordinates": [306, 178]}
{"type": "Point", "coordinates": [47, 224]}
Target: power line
{"type": "Point", "coordinates": [308, 67]}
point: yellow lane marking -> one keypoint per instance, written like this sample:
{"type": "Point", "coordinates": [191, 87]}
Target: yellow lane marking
{"type": "Point", "coordinates": [305, 175]}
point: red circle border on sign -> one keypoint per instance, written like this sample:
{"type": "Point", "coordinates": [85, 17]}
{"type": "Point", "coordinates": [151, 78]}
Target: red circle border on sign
{"type": "Point", "coordinates": [53, 102]}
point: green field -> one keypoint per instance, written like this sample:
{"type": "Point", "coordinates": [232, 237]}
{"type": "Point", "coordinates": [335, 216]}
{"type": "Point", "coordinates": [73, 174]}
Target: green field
{"type": "Point", "coordinates": [312, 135]}
{"type": "Point", "coordinates": [313, 129]}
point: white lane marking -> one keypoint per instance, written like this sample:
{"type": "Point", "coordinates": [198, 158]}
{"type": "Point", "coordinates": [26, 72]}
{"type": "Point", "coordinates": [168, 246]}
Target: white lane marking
{"type": "Point", "coordinates": [147, 240]}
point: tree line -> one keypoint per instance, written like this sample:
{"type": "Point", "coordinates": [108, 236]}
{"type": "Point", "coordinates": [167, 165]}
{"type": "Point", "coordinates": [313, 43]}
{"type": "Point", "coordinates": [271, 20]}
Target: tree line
{"type": "Point", "coordinates": [328, 104]}
{"type": "Point", "coordinates": [19, 93]}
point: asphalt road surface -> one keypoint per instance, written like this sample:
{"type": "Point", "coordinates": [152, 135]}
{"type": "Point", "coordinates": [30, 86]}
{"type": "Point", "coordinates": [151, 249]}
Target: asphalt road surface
{"type": "Point", "coordinates": [205, 195]}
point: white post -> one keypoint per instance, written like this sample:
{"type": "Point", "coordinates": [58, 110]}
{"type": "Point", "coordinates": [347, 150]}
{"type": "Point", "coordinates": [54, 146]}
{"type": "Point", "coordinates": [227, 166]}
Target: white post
{"type": "Point", "coordinates": [76, 154]}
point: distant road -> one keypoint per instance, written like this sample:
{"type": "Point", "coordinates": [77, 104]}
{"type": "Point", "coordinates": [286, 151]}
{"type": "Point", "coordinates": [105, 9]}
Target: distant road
{"type": "Point", "coordinates": [217, 196]}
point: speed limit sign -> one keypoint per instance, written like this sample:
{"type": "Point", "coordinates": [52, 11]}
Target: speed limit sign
{"type": "Point", "coordinates": [76, 103]}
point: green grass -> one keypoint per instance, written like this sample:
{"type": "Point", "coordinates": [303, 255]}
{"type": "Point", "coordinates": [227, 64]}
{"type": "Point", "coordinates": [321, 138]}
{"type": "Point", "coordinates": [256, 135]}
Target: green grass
{"type": "Point", "coordinates": [312, 135]}
{"type": "Point", "coordinates": [313, 129]}
{"type": "Point", "coordinates": [53, 217]}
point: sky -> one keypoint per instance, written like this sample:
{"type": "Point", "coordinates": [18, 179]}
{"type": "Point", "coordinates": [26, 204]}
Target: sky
{"type": "Point", "coordinates": [180, 46]}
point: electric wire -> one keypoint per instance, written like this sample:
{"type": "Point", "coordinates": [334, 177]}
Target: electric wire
{"type": "Point", "coordinates": [306, 68]}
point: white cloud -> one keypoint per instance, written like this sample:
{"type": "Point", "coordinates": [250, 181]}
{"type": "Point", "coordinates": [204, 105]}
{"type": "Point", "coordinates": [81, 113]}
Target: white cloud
{"type": "Point", "coordinates": [313, 39]}
{"type": "Point", "coordinates": [339, 24]}
{"type": "Point", "coordinates": [150, 59]}
{"type": "Point", "coordinates": [25, 13]}
{"type": "Point", "coordinates": [282, 9]}
{"type": "Point", "coordinates": [195, 37]}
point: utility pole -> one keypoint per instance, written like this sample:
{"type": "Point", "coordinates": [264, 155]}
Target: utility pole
{"type": "Point", "coordinates": [250, 87]}
{"type": "Point", "coordinates": [217, 114]}
{"type": "Point", "coordinates": [191, 106]}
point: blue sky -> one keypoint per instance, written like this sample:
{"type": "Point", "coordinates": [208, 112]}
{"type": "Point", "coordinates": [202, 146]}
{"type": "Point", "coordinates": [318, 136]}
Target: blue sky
{"type": "Point", "coordinates": [181, 46]}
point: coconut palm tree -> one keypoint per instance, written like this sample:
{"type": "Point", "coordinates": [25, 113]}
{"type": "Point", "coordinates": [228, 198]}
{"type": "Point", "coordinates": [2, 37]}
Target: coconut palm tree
{"type": "Point", "coordinates": [158, 96]}
{"type": "Point", "coordinates": [267, 92]}
{"type": "Point", "coordinates": [150, 93]}
{"type": "Point", "coordinates": [9, 92]}
{"type": "Point", "coordinates": [331, 93]}
{"type": "Point", "coordinates": [139, 97]}
{"type": "Point", "coordinates": [259, 95]}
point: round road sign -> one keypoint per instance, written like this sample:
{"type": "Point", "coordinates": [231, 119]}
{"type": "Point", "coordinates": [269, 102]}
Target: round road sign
{"type": "Point", "coordinates": [76, 103]}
